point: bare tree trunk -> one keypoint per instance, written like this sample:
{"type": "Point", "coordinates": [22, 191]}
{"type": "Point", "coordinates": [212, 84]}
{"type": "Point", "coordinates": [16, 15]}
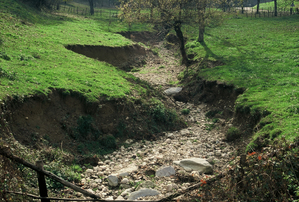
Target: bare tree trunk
{"type": "Point", "coordinates": [58, 5]}
{"type": "Point", "coordinates": [179, 34]}
{"type": "Point", "coordinates": [201, 7]}
{"type": "Point", "coordinates": [91, 7]}
{"type": "Point", "coordinates": [258, 7]}
{"type": "Point", "coordinates": [201, 29]}
{"type": "Point", "coordinates": [275, 7]}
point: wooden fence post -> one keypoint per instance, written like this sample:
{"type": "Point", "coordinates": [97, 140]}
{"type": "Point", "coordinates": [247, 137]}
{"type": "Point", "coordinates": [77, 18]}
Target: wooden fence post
{"type": "Point", "coordinates": [42, 182]}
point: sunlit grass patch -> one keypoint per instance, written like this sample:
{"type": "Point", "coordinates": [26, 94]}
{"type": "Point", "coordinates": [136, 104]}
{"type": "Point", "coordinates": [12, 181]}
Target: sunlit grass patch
{"type": "Point", "coordinates": [261, 55]}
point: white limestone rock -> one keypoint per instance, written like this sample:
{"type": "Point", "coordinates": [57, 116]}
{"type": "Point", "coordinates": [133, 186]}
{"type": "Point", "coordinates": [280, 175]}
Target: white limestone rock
{"type": "Point", "coordinates": [196, 164]}
{"type": "Point", "coordinates": [173, 90]}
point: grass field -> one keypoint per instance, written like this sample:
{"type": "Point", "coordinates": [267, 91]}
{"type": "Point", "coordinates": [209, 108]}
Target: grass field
{"type": "Point", "coordinates": [262, 55]}
{"type": "Point", "coordinates": [33, 58]}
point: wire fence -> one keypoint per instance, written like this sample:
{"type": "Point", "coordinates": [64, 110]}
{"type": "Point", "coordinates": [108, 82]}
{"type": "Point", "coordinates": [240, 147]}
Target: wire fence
{"type": "Point", "coordinates": [111, 14]}
{"type": "Point", "coordinates": [103, 13]}
{"type": "Point", "coordinates": [269, 12]}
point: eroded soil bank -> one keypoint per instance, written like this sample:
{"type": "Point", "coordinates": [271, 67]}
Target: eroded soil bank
{"type": "Point", "coordinates": [126, 57]}
{"type": "Point", "coordinates": [69, 122]}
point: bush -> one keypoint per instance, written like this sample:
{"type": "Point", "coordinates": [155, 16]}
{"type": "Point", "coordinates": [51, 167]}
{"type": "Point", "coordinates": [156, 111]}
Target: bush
{"type": "Point", "coordinates": [185, 111]}
{"type": "Point", "coordinates": [268, 176]}
{"type": "Point", "coordinates": [109, 142]}
{"type": "Point", "coordinates": [232, 134]}
{"type": "Point", "coordinates": [162, 115]}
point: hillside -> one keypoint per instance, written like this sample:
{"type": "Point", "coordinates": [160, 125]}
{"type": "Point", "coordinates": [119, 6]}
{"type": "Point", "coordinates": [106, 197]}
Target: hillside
{"type": "Point", "coordinates": [87, 92]}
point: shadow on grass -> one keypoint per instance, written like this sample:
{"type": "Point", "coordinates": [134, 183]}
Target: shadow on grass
{"type": "Point", "coordinates": [209, 52]}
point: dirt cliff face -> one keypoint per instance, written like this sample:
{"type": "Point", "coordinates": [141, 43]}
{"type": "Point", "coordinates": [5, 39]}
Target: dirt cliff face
{"type": "Point", "coordinates": [123, 57]}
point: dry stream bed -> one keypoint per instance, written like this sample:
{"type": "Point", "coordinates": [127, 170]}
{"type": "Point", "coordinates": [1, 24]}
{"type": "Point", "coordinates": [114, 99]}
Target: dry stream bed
{"type": "Point", "coordinates": [147, 168]}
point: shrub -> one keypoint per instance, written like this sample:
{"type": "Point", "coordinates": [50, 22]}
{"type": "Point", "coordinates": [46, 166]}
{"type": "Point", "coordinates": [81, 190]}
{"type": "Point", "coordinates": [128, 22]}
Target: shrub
{"type": "Point", "coordinates": [271, 175]}
{"type": "Point", "coordinates": [185, 111]}
{"type": "Point", "coordinates": [232, 134]}
{"type": "Point", "coordinates": [109, 142]}
{"type": "Point", "coordinates": [162, 115]}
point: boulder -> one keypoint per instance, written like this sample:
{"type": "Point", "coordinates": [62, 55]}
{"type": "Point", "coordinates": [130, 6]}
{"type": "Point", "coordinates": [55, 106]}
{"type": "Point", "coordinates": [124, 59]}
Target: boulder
{"type": "Point", "coordinates": [165, 171]}
{"type": "Point", "coordinates": [112, 180]}
{"type": "Point", "coordinates": [173, 90]}
{"type": "Point", "coordinates": [142, 192]}
{"type": "Point", "coordinates": [196, 164]}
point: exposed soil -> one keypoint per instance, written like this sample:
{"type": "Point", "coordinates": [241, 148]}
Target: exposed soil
{"type": "Point", "coordinates": [126, 57]}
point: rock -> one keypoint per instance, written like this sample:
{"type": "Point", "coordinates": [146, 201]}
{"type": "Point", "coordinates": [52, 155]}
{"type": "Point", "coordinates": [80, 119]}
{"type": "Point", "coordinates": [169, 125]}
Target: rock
{"type": "Point", "coordinates": [78, 194]}
{"type": "Point", "coordinates": [109, 198]}
{"type": "Point", "coordinates": [171, 136]}
{"type": "Point", "coordinates": [168, 141]}
{"type": "Point", "coordinates": [218, 153]}
{"type": "Point", "coordinates": [142, 192]}
{"type": "Point", "coordinates": [174, 186]}
{"type": "Point", "coordinates": [123, 174]}
{"type": "Point", "coordinates": [112, 180]}
{"type": "Point", "coordinates": [197, 164]}
{"type": "Point", "coordinates": [124, 181]}
{"type": "Point", "coordinates": [173, 90]}
{"type": "Point", "coordinates": [119, 198]}
{"type": "Point", "coordinates": [94, 185]}
{"type": "Point", "coordinates": [90, 190]}
{"type": "Point", "coordinates": [129, 169]}
{"type": "Point", "coordinates": [98, 181]}
{"type": "Point", "coordinates": [126, 193]}
{"type": "Point", "coordinates": [89, 171]}
{"type": "Point", "coordinates": [165, 171]}
{"type": "Point", "coordinates": [168, 188]}
{"type": "Point", "coordinates": [185, 132]}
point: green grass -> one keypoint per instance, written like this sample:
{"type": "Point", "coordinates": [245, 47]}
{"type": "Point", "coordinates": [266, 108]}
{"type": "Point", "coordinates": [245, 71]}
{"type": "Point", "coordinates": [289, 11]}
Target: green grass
{"type": "Point", "coordinates": [262, 55]}
{"type": "Point", "coordinates": [33, 57]}
{"type": "Point", "coordinates": [281, 4]}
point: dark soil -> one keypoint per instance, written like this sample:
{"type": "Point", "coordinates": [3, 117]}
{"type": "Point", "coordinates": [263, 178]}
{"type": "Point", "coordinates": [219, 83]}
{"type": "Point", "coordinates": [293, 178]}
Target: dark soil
{"type": "Point", "coordinates": [125, 58]}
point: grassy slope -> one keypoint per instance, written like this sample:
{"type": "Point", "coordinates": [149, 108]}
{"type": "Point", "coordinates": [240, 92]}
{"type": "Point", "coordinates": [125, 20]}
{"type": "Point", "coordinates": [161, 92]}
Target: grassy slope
{"type": "Point", "coordinates": [34, 42]}
{"type": "Point", "coordinates": [262, 55]}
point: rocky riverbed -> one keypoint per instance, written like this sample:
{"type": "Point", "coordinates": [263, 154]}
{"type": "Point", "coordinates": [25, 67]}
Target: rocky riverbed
{"type": "Point", "coordinates": [153, 170]}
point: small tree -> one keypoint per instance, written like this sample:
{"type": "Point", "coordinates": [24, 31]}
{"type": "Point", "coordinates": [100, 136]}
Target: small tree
{"type": "Point", "coordinates": [172, 14]}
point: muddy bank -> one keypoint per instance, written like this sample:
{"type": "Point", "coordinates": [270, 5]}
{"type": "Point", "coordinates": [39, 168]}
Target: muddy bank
{"type": "Point", "coordinates": [71, 123]}
{"type": "Point", "coordinates": [221, 99]}
{"type": "Point", "coordinates": [125, 58]}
